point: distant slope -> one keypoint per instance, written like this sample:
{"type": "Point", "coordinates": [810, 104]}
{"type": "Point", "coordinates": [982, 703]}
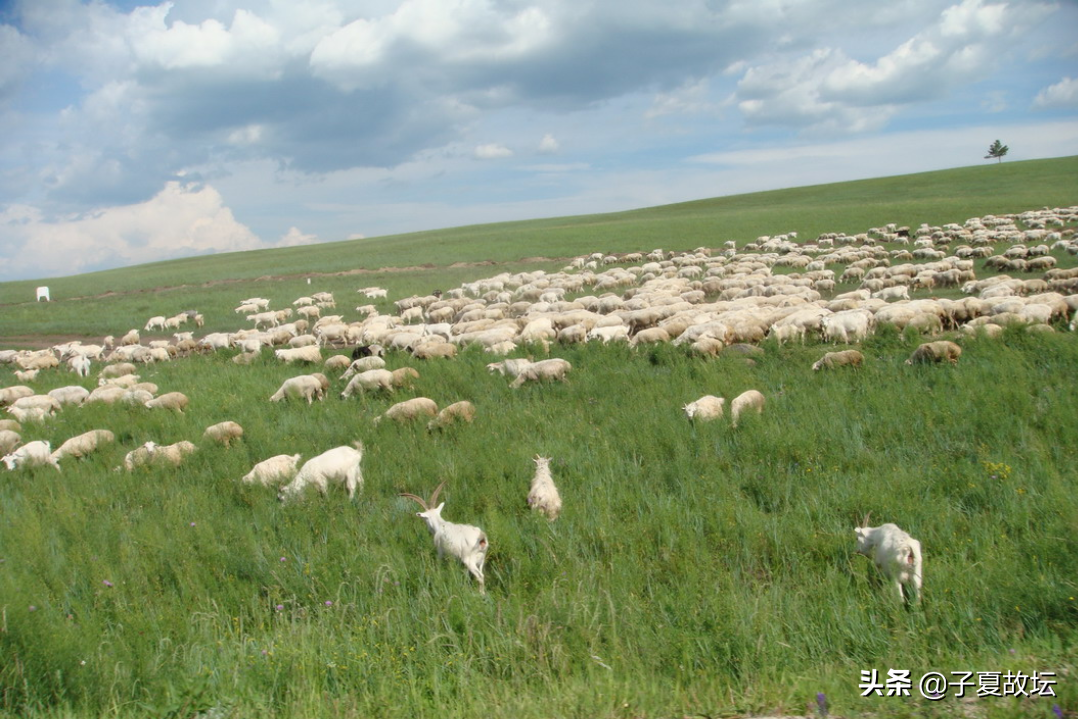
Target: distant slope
{"type": "Point", "coordinates": [933, 197]}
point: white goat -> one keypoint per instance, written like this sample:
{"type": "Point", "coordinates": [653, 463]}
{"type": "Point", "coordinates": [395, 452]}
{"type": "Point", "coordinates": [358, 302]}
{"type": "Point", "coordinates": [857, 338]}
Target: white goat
{"type": "Point", "coordinates": [543, 495]}
{"type": "Point", "coordinates": [463, 541]}
{"type": "Point", "coordinates": [340, 464]}
{"type": "Point", "coordinates": [30, 454]}
{"type": "Point", "coordinates": [897, 554]}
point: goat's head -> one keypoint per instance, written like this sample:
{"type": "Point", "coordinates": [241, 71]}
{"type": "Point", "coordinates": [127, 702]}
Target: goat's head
{"type": "Point", "coordinates": [864, 540]}
{"type": "Point", "coordinates": [432, 512]}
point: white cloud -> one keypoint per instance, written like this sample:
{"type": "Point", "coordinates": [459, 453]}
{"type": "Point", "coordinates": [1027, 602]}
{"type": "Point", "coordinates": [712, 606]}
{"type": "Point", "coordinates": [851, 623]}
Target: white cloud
{"type": "Point", "coordinates": [492, 151]}
{"type": "Point", "coordinates": [549, 145]}
{"type": "Point", "coordinates": [181, 220]}
{"type": "Point", "coordinates": [1062, 95]}
{"type": "Point", "coordinates": [294, 237]}
{"type": "Point", "coordinates": [691, 97]}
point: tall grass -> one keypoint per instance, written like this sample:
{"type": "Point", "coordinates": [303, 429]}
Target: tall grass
{"type": "Point", "coordinates": [695, 570]}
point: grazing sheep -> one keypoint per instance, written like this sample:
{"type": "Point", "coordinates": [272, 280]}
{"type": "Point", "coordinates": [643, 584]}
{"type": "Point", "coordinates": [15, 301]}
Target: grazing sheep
{"type": "Point", "coordinates": [897, 554]}
{"type": "Point", "coordinates": [850, 358]}
{"type": "Point", "coordinates": [172, 400]}
{"type": "Point", "coordinates": [434, 350]}
{"type": "Point", "coordinates": [543, 495]}
{"type": "Point", "coordinates": [403, 376]}
{"type": "Point", "coordinates": [117, 370]}
{"type": "Point", "coordinates": [8, 395]}
{"type": "Point", "coordinates": [362, 364]}
{"type": "Point", "coordinates": [246, 358]}
{"type": "Point", "coordinates": [131, 338]}
{"type": "Point", "coordinates": [409, 410]}
{"type": "Point", "coordinates": [172, 453]}
{"type": "Point", "coordinates": [337, 362]}
{"type": "Point", "coordinates": [139, 456]}
{"type": "Point", "coordinates": [31, 454]}
{"type": "Point", "coordinates": [750, 399]}
{"type": "Point", "coordinates": [73, 394]}
{"type": "Point", "coordinates": [10, 424]}
{"type": "Point", "coordinates": [108, 394]}
{"type": "Point", "coordinates": [26, 375]}
{"type": "Point", "coordinates": [463, 541]}
{"type": "Point", "coordinates": [37, 401]}
{"type": "Point", "coordinates": [510, 367]}
{"type": "Point", "coordinates": [549, 369]}
{"type": "Point", "coordinates": [32, 414]}
{"type": "Point", "coordinates": [126, 381]}
{"type": "Point", "coordinates": [274, 471]}
{"type": "Point", "coordinates": [706, 408]}
{"type": "Point", "coordinates": [224, 432]}
{"type": "Point", "coordinates": [136, 396]}
{"type": "Point", "coordinates": [463, 411]}
{"type": "Point", "coordinates": [367, 381]}
{"type": "Point", "coordinates": [936, 352]}
{"type": "Point", "coordinates": [83, 444]}
{"type": "Point", "coordinates": [9, 440]}
{"type": "Point", "coordinates": [340, 464]}
{"type": "Point", "coordinates": [311, 353]}
{"type": "Point", "coordinates": [304, 386]}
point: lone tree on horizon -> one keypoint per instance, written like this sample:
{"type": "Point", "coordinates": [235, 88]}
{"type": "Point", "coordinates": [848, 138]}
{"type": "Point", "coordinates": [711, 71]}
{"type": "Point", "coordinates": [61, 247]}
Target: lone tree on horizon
{"type": "Point", "coordinates": [997, 150]}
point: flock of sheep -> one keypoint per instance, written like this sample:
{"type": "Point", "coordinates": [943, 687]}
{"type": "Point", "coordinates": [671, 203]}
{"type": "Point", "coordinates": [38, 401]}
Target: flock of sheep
{"type": "Point", "coordinates": [708, 301]}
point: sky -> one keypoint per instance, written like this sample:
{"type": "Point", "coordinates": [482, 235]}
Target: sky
{"type": "Point", "coordinates": [136, 133]}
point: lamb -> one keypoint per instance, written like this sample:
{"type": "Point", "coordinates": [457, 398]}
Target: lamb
{"type": "Point", "coordinates": [305, 386]}
{"type": "Point", "coordinates": [340, 464]}
{"type": "Point", "coordinates": [131, 338]}
{"type": "Point", "coordinates": [550, 369]}
{"type": "Point", "coordinates": [851, 358]}
{"type": "Point", "coordinates": [83, 444]}
{"type": "Point", "coordinates": [310, 353]}
{"type": "Point", "coordinates": [543, 496]}
{"type": "Point", "coordinates": [410, 409]}
{"type": "Point", "coordinates": [171, 400]}
{"type": "Point", "coordinates": [156, 322]}
{"type": "Point", "coordinates": [224, 432]}
{"type": "Point", "coordinates": [936, 352]}
{"type": "Point", "coordinates": [897, 554]}
{"type": "Point", "coordinates": [750, 399]}
{"type": "Point", "coordinates": [26, 375]}
{"type": "Point", "coordinates": [706, 408]}
{"type": "Point", "coordinates": [463, 541]}
{"type": "Point", "coordinates": [273, 471]}
{"type": "Point", "coordinates": [9, 440]}
{"type": "Point", "coordinates": [463, 411]}
{"type": "Point", "coordinates": [30, 454]}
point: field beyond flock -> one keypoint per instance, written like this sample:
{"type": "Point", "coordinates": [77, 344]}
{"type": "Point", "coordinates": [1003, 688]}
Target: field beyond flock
{"type": "Point", "coordinates": [696, 569]}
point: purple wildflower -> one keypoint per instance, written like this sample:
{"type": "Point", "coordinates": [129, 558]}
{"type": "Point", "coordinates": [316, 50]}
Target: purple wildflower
{"type": "Point", "coordinates": [33, 608]}
{"type": "Point", "coordinates": [821, 703]}
{"type": "Point", "coordinates": [106, 582]}
{"type": "Point", "coordinates": [329, 603]}
{"type": "Point", "coordinates": [1057, 711]}
{"type": "Point", "coordinates": [279, 607]}
{"type": "Point", "coordinates": [284, 559]}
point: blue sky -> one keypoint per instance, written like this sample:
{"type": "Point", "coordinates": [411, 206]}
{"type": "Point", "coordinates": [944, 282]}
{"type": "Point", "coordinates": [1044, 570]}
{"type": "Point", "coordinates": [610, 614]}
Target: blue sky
{"type": "Point", "coordinates": [134, 133]}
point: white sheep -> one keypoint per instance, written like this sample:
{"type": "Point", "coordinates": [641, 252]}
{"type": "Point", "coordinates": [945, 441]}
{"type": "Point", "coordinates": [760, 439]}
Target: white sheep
{"type": "Point", "coordinates": [311, 353]}
{"type": "Point", "coordinates": [32, 414]}
{"type": "Point", "coordinates": [750, 399]}
{"type": "Point", "coordinates": [83, 444]}
{"type": "Point", "coordinates": [706, 408]}
{"type": "Point", "coordinates": [897, 554]}
{"type": "Point", "coordinates": [940, 351]}
{"type": "Point", "coordinates": [117, 370]}
{"type": "Point", "coordinates": [362, 365]}
{"type": "Point", "coordinates": [463, 411]}
{"type": "Point", "coordinates": [172, 453]}
{"type": "Point", "coordinates": [851, 358]}
{"type": "Point", "coordinates": [9, 440]}
{"type": "Point", "coordinates": [304, 386]}
{"type": "Point", "coordinates": [9, 395]}
{"type": "Point", "coordinates": [26, 375]}
{"type": "Point", "coordinates": [224, 432]}
{"type": "Point", "coordinates": [32, 453]}
{"type": "Point", "coordinates": [409, 410]}
{"type": "Point", "coordinates": [509, 367]}
{"type": "Point", "coordinates": [340, 464]}
{"type": "Point", "coordinates": [543, 495]}
{"type": "Point", "coordinates": [549, 369]}
{"type": "Point", "coordinates": [171, 400]}
{"type": "Point", "coordinates": [463, 541]}
{"type": "Point", "coordinates": [273, 471]}
{"type": "Point", "coordinates": [372, 379]}
{"type": "Point", "coordinates": [139, 456]}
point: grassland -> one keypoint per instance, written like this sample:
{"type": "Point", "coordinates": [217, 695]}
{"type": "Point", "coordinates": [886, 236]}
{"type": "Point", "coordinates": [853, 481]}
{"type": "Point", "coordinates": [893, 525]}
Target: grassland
{"type": "Point", "coordinates": [695, 571]}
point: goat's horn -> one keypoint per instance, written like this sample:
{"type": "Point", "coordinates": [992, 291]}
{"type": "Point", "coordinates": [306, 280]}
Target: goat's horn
{"type": "Point", "coordinates": [421, 501]}
{"type": "Point", "coordinates": [864, 522]}
{"type": "Point", "coordinates": [434, 497]}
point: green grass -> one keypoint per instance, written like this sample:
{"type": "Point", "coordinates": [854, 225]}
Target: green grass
{"type": "Point", "coordinates": [696, 570]}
